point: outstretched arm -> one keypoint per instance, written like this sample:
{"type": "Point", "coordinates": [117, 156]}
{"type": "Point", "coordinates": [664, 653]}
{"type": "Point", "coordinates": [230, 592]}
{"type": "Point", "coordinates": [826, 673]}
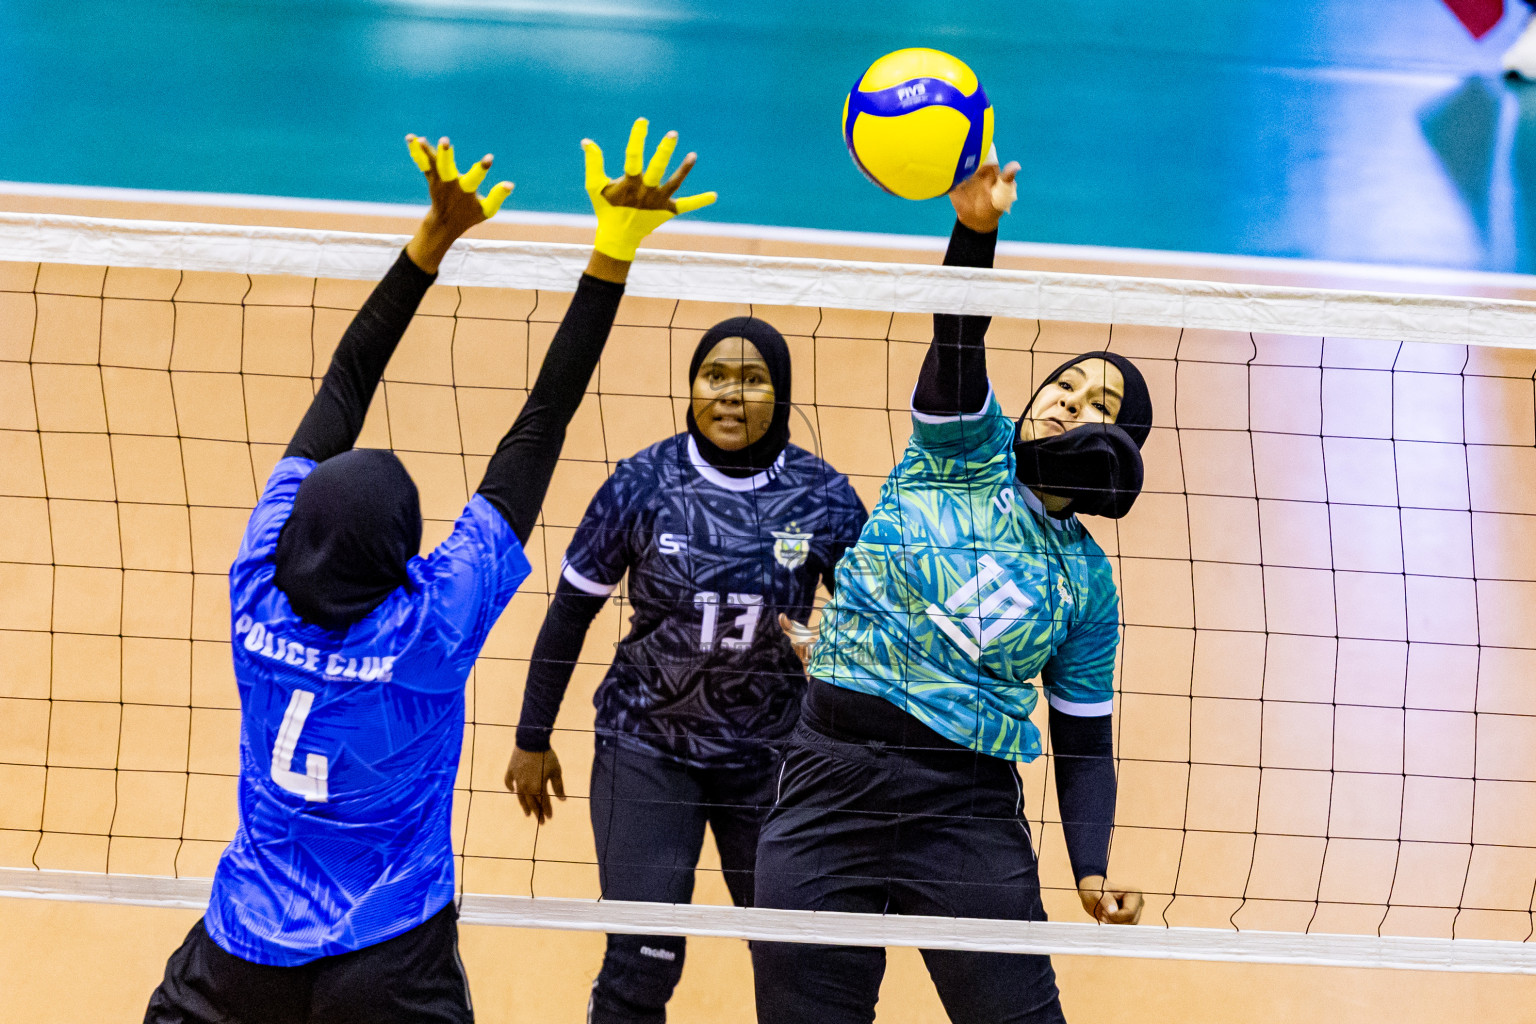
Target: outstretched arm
{"type": "Point", "coordinates": [954, 375]}
{"type": "Point", "coordinates": [628, 208]}
{"type": "Point", "coordinates": [335, 416]}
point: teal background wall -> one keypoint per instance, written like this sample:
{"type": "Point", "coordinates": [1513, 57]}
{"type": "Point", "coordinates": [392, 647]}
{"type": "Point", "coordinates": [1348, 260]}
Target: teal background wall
{"type": "Point", "coordinates": [1364, 130]}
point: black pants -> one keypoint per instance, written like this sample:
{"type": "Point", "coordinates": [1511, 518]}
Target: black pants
{"type": "Point", "coordinates": [866, 827]}
{"type": "Point", "coordinates": [648, 817]}
{"type": "Point", "coordinates": [414, 977]}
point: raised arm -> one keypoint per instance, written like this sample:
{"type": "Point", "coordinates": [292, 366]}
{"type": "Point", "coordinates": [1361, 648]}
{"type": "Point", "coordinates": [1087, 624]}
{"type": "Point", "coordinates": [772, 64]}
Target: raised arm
{"type": "Point", "coordinates": [628, 208]}
{"type": "Point", "coordinates": [335, 416]}
{"type": "Point", "coordinates": [954, 375]}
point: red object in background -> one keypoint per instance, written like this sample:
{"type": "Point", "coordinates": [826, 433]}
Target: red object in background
{"type": "Point", "coordinates": [1478, 15]}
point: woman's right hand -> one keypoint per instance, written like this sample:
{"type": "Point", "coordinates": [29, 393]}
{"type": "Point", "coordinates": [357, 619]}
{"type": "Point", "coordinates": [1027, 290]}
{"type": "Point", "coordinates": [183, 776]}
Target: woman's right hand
{"type": "Point", "coordinates": [633, 205]}
{"type": "Point", "coordinates": [981, 200]}
{"type": "Point", "coordinates": [529, 773]}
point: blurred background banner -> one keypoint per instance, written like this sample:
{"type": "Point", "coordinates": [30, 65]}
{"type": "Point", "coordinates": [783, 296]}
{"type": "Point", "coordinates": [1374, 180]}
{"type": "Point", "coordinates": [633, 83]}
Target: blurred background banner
{"type": "Point", "coordinates": [1478, 15]}
{"type": "Point", "coordinates": [1373, 131]}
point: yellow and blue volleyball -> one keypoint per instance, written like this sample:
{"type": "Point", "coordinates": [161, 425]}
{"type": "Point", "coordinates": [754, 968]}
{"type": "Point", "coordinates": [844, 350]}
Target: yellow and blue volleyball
{"type": "Point", "coordinates": [917, 123]}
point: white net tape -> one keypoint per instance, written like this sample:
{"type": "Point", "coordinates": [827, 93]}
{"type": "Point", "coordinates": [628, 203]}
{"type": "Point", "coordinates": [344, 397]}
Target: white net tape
{"type": "Point", "coordinates": [786, 281]}
{"type": "Point", "coordinates": [829, 928]}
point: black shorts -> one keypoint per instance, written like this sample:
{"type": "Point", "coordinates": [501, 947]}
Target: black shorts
{"type": "Point", "coordinates": [934, 829]}
{"type": "Point", "coordinates": [416, 977]}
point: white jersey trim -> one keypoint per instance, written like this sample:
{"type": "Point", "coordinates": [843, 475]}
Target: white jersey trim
{"type": "Point", "coordinates": [731, 483]}
{"type": "Point", "coordinates": [583, 584]}
{"type": "Point", "coordinates": [1097, 709]}
{"type": "Point", "coordinates": [925, 417]}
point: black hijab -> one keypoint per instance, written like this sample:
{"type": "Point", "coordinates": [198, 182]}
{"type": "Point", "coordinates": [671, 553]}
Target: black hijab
{"type": "Point", "coordinates": [760, 454]}
{"type": "Point", "coordinates": [356, 522]}
{"type": "Point", "coordinates": [1097, 465]}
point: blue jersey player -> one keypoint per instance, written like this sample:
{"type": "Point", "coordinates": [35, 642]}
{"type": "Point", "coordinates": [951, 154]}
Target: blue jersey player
{"type": "Point", "coordinates": [334, 901]}
{"type": "Point", "coordinates": [721, 530]}
{"type": "Point", "coordinates": [972, 579]}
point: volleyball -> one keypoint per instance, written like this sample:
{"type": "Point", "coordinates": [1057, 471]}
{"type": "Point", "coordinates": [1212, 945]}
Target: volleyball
{"type": "Point", "coordinates": [917, 123]}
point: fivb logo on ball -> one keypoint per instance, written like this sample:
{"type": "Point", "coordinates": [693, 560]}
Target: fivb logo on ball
{"type": "Point", "coordinates": [917, 123]}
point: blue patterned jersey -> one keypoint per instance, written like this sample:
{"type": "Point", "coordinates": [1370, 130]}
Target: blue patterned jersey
{"type": "Point", "coordinates": [705, 674]}
{"type": "Point", "coordinates": [962, 590]}
{"type": "Point", "coordinates": [349, 742]}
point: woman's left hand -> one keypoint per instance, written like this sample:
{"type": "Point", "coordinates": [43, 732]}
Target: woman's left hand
{"type": "Point", "coordinates": [1109, 904]}
{"type": "Point", "coordinates": [802, 637]}
{"type": "Point", "coordinates": [981, 200]}
{"type": "Point", "coordinates": [638, 202]}
{"type": "Point", "coordinates": [456, 203]}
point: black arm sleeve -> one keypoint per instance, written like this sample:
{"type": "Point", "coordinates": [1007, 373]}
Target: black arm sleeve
{"type": "Point", "coordinates": [1085, 788]}
{"type": "Point", "coordinates": [829, 574]}
{"type": "Point", "coordinates": [829, 577]}
{"type": "Point", "coordinates": [336, 414]}
{"type": "Point", "coordinates": [954, 375]}
{"type": "Point", "coordinates": [519, 472]}
{"type": "Point", "coordinates": [555, 653]}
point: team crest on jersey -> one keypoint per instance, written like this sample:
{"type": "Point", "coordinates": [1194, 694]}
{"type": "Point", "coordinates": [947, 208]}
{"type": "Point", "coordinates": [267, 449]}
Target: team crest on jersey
{"type": "Point", "coordinates": [791, 549]}
{"type": "Point", "coordinates": [1064, 590]}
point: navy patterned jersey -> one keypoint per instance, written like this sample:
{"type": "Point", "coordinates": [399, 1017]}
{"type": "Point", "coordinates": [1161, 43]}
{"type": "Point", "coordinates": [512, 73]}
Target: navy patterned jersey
{"type": "Point", "coordinates": [706, 675]}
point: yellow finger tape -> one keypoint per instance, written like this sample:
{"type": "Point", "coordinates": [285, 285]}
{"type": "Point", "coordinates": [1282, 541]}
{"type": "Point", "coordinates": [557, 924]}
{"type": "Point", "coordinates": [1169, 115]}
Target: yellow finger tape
{"type": "Point", "coordinates": [419, 153]}
{"type": "Point", "coordinates": [621, 229]}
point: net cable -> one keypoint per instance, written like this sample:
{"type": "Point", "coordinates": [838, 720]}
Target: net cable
{"type": "Point", "coordinates": [1325, 736]}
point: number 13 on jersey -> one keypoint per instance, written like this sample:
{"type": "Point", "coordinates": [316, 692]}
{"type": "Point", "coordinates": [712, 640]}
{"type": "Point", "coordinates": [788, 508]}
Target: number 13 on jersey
{"type": "Point", "coordinates": [751, 606]}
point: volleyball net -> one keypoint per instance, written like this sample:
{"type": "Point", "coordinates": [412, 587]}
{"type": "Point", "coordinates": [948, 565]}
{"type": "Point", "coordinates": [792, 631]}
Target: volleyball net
{"type": "Point", "coordinates": [1325, 723]}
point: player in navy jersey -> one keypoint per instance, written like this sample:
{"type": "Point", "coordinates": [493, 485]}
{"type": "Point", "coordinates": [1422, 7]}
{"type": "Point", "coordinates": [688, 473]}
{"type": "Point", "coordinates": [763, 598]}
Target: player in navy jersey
{"type": "Point", "coordinates": [722, 530]}
{"type": "Point", "coordinates": [972, 579]}
{"type": "Point", "coordinates": [334, 900]}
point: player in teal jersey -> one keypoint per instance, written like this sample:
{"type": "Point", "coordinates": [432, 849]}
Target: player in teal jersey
{"type": "Point", "coordinates": [962, 589]}
{"type": "Point", "coordinates": [973, 578]}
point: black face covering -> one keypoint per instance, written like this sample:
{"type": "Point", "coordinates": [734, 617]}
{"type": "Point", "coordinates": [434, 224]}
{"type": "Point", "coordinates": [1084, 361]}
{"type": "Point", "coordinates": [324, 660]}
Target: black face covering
{"type": "Point", "coordinates": [356, 522]}
{"type": "Point", "coordinates": [760, 454]}
{"type": "Point", "coordinates": [1097, 465]}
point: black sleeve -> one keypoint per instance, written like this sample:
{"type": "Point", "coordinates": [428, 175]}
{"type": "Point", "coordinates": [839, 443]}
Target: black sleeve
{"type": "Point", "coordinates": [555, 653]}
{"type": "Point", "coordinates": [336, 414]}
{"type": "Point", "coordinates": [829, 577]}
{"type": "Point", "coordinates": [519, 472]}
{"type": "Point", "coordinates": [954, 375]}
{"type": "Point", "coordinates": [840, 548]}
{"type": "Point", "coordinates": [1085, 788]}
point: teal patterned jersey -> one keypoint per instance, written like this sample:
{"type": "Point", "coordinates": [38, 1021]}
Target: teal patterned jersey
{"type": "Point", "coordinates": [961, 592]}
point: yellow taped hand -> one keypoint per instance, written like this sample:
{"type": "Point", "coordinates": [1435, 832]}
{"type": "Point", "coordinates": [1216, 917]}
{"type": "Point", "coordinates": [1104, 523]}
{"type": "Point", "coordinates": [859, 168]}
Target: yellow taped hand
{"type": "Point", "coordinates": [419, 152]}
{"type": "Point", "coordinates": [631, 207]}
{"type": "Point", "coordinates": [438, 164]}
{"type": "Point", "coordinates": [447, 170]}
{"type": "Point", "coordinates": [470, 180]}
